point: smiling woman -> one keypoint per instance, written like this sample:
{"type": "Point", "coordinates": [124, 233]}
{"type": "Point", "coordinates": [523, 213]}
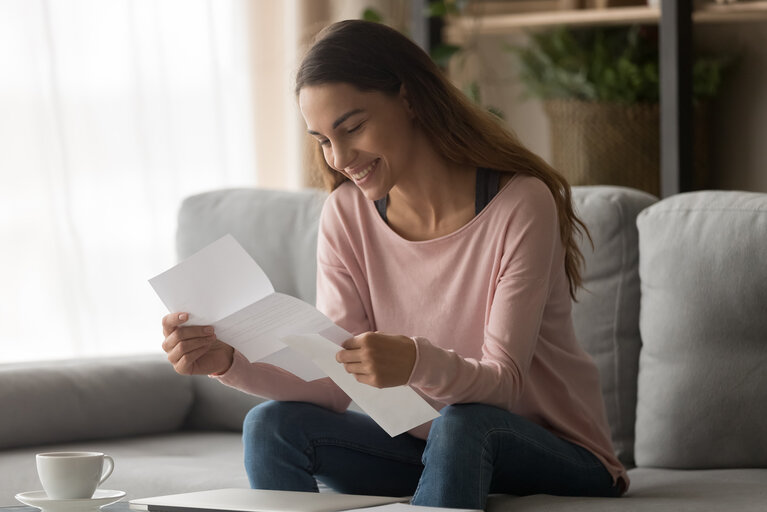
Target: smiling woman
{"type": "Point", "coordinates": [448, 250]}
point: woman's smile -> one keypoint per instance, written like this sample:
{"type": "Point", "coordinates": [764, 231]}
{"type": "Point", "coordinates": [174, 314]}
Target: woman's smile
{"type": "Point", "coordinates": [359, 175]}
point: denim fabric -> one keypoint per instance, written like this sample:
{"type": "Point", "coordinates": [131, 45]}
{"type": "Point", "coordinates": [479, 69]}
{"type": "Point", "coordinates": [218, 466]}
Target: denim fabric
{"type": "Point", "coordinates": [472, 450]}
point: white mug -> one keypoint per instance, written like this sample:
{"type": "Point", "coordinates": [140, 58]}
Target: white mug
{"type": "Point", "coordinates": [73, 475]}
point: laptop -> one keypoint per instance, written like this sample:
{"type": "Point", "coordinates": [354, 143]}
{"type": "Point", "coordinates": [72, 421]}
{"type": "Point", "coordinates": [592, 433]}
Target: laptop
{"type": "Point", "coordinates": [255, 500]}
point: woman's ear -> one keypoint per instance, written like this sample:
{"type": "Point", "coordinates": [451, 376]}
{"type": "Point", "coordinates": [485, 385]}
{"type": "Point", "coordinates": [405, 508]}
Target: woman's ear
{"type": "Point", "coordinates": [406, 101]}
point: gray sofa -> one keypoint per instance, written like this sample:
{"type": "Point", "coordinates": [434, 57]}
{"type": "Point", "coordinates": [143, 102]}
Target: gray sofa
{"type": "Point", "coordinates": [686, 400]}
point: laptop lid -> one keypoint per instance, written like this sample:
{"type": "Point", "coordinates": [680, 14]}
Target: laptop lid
{"type": "Point", "coordinates": [255, 500]}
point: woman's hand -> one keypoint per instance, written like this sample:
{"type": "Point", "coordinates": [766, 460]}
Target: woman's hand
{"type": "Point", "coordinates": [380, 360]}
{"type": "Point", "coordinates": [194, 350]}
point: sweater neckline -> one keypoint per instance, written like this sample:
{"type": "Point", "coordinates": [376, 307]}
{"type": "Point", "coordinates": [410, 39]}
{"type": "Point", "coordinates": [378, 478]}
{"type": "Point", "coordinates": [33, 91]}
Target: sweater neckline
{"type": "Point", "coordinates": [383, 225]}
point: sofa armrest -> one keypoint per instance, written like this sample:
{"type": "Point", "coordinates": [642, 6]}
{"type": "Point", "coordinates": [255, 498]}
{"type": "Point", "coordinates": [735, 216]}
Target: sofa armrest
{"type": "Point", "coordinates": [70, 401]}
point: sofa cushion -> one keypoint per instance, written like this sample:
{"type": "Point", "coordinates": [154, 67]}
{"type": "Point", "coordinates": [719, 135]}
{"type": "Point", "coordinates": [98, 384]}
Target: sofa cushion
{"type": "Point", "coordinates": [277, 228]}
{"type": "Point", "coordinates": [65, 401]}
{"type": "Point", "coordinates": [606, 315]}
{"type": "Point", "coordinates": [218, 407]}
{"type": "Point", "coordinates": [659, 490]}
{"type": "Point", "coordinates": [702, 399]}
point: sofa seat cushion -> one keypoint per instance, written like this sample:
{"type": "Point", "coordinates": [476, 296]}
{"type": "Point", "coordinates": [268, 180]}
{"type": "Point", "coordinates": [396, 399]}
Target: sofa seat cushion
{"type": "Point", "coordinates": [144, 466]}
{"type": "Point", "coordinates": [660, 490]}
{"type": "Point", "coordinates": [702, 387]}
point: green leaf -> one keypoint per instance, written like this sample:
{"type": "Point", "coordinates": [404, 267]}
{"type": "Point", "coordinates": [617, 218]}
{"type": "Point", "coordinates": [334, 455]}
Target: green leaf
{"type": "Point", "coordinates": [602, 64]}
{"type": "Point", "coordinates": [437, 9]}
{"type": "Point", "coordinates": [472, 91]}
{"type": "Point", "coordinates": [442, 53]}
{"type": "Point", "coordinates": [496, 112]}
{"type": "Point", "coordinates": [440, 8]}
{"type": "Point", "coordinates": [373, 15]}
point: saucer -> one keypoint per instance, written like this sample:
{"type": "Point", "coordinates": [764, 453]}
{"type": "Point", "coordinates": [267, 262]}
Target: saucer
{"type": "Point", "coordinates": [39, 499]}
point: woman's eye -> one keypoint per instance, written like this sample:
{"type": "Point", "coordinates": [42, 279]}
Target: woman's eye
{"type": "Point", "coordinates": [325, 142]}
{"type": "Point", "coordinates": [355, 128]}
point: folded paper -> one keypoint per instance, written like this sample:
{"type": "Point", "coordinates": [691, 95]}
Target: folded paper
{"type": "Point", "coordinates": [222, 286]}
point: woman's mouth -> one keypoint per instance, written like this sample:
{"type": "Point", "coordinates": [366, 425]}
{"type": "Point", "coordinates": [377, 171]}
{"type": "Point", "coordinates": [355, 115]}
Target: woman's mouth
{"type": "Point", "coordinates": [361, 175]}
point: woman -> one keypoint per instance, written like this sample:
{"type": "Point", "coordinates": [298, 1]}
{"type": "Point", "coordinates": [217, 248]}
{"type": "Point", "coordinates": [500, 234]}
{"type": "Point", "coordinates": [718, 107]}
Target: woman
{"type": "Point", "coordinates": [449, 251]}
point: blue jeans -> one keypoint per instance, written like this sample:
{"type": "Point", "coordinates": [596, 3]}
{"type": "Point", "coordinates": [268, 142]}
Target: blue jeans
{"type": "Point", "coordinates": [472, 450]}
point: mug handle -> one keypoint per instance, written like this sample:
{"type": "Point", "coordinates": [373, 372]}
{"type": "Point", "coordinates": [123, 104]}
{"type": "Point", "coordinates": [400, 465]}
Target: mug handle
{"type": "Point", "coordinates": [110, 466]}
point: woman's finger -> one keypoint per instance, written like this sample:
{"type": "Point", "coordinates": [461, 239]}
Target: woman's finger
{"type": "Point", "coordinates": [356, 368]}
{"type": "Point", "coordinates": [187, 346]}
{"type": "Point", "coordinates": [351, 343]}
{"type": "Point", "coordinates": [170, 341]}
{"type": "Point", "coordinates": [185, 364]}
{"type": "Point", "coordinates": [185, 333]}
{"type": "Point", "coordinates": [349, 356]}
{"type": "Point", "coordinates": [171, 321]}
{"type": "Point", "coordinates": [194, 331]}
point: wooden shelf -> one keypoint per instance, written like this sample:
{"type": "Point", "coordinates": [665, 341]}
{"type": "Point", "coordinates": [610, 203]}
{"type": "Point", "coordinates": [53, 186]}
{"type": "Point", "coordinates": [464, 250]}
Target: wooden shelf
{"type": "Point", "coordinates": [457, 28]}
{"type": "Point", "coordinates": [737, 12]}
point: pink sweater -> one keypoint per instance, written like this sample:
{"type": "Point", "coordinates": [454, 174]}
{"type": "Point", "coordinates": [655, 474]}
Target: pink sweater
{"type": "Point", "coordinates": [487, 305]}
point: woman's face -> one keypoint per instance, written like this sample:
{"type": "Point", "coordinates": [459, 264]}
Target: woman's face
{"type": "Point", "coordinates": [367, 136]}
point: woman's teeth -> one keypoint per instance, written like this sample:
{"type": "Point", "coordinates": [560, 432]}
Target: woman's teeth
{"type": "Point", "coordinates": [364, 172]}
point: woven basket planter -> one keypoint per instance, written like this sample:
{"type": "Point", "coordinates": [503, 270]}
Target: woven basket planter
{"type": "Point", "coordinates": [597, 143]}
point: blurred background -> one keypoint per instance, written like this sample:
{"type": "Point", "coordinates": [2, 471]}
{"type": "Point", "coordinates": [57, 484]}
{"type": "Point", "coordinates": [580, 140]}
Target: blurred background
{"type": "Point", "coordinates": [113, 111]}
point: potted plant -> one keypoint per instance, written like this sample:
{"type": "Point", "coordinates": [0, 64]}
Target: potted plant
{"type": "Point", "coordinates": [600, 90]}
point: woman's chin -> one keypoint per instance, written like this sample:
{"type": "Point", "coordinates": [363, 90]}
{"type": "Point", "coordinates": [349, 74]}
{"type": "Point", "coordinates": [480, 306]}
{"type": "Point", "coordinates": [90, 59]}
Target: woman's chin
{"type": "Point", "coordinates": [373, 195]}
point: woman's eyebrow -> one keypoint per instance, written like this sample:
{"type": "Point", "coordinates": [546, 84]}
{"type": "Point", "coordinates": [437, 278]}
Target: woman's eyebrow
{"type": "Point", "coordinates": [340, 120]}
{"type": "Point", "coordinates": [346, 116]}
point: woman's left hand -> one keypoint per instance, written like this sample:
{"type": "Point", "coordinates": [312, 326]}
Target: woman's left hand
{"type": "Point", "coordinates": [380, 360]}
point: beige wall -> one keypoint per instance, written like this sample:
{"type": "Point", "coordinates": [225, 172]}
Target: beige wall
{"type": "Point", "coordinates": [739, 116]}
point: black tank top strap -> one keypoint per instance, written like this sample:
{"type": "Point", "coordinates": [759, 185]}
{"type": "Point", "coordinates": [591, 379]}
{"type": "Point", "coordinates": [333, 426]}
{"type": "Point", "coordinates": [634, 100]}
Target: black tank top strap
{"type": "Point", "coordinates": [488, 181]}
{"type": "Point", "coordinates": [381, 207]}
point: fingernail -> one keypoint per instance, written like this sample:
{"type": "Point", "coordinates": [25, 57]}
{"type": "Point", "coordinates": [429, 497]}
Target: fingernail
{"type": "Point", "coordinates": [208, 330]}
{"type": "Point", "coordinates": [182, 316]}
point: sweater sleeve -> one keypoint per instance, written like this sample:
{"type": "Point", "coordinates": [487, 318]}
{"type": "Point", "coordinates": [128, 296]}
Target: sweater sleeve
{"type": "Point", "coordinates": [274, 383]}
{"type": "Point", "coordinates": [513, 324]}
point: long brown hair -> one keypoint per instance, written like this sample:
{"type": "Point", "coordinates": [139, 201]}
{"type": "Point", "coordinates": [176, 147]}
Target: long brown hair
{"type": "Point", "coordinates": [374, 57]}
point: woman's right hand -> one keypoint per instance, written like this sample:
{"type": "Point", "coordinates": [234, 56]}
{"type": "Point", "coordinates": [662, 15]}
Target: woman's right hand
{"type": "Point", "coordinates": [194, 350]}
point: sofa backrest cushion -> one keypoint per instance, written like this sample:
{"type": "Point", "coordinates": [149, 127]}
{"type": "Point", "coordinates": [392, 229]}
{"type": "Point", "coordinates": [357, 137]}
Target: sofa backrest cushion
{"type": "Point", "coordinates": [606, 314]}
{"type": "Point", "coordinates": [277, 228]}
{"type": "Point", "coordinates": [69, 401]}
{"type": "Point", "coordinates": [218, 407]}
{"type": "Point", "coordinates": [703, 367]}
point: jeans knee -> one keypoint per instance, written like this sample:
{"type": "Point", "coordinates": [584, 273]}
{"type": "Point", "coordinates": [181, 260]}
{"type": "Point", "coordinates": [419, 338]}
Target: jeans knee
{"type": "Point", "coordinates": [462, 420]}
{"type": "Point", "coordinates": [462, 426]}
{"type": "Point", "coordinates": [269, 419]}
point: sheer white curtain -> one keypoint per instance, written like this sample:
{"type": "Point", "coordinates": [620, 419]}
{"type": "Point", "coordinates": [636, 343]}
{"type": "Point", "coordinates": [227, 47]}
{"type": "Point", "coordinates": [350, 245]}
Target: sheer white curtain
{"type": "Point", "coordinates": [113, 111]}
{"type": "Point", "coordinates": [110, 113]}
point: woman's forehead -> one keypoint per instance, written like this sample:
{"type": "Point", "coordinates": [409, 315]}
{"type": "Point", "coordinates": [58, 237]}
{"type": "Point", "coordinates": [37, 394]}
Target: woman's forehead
{"type": "Point", "coordinates": [324, 103]}
{"type": "Point", "coordinates": [332, 93]}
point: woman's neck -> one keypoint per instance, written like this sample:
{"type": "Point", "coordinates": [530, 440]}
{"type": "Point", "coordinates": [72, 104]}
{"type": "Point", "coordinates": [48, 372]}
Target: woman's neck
{"type": "Point", "coordinates": [433, 199]}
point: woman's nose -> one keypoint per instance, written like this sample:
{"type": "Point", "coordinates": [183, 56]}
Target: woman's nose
{"type": "Point", "coordinates": [342, 156]}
